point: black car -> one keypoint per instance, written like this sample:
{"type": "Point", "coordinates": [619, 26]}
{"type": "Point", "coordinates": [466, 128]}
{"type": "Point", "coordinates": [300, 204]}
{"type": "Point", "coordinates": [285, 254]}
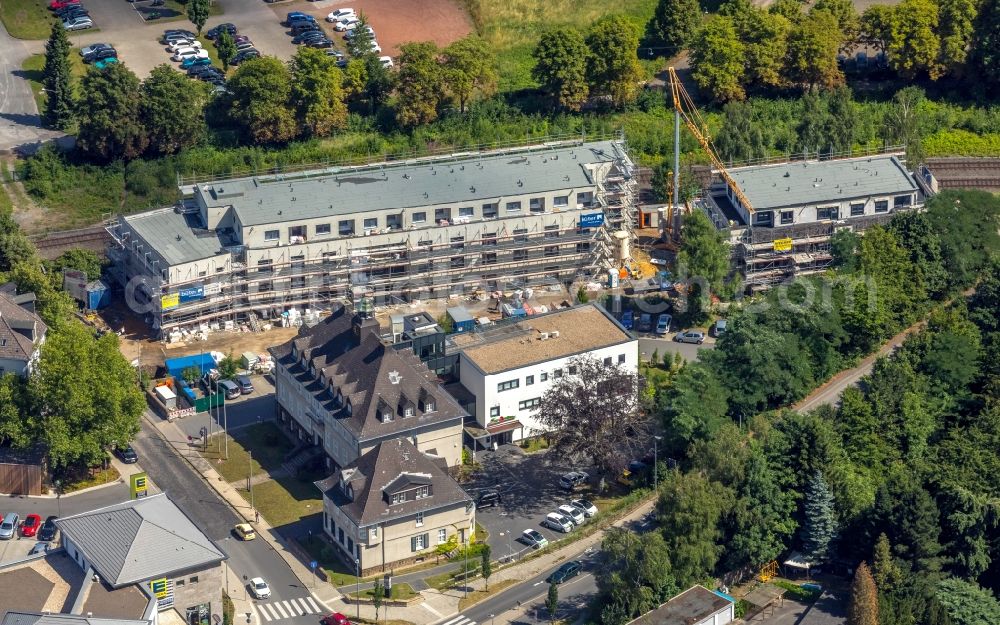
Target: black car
{"type": "Point", "coordinates": [320, 43]}
{"type": "Point", "coordinates": [100, 55]}
{"type": "Point", "coordinates": [213, 33]}
{"type": "Point", "coordinates": [73, 14]}
{"type": "Point", "coordinates": [127, 455]}
{"type": "Point", "coordinates": [212, 76]}
{"type": "Point", "coordinates": [307, 35]}
{"type": "Point", "coordinates": [564, 572]}
{"type": "Point", "coordinates": [302, 27]}
{"type": "Point", "coordinates": [487, 499]}
{"type": "Point", "coordinates": [197, 70]}
{"type": "Point", "coordinates": [243, 56]}
{"type": "Point", "coordinates": [47, 532]}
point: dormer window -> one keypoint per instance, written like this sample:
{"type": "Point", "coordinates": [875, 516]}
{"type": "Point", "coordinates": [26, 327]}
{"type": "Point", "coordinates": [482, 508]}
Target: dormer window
{"type": "Point", "coordinates": [349, 491]}
{"type": "Point", "coordinates": [399, 498]}
{"type": "Point", "coordinates": [349, 408]}
{"type": "Point", "coordinates": [423, 491]}
{"type": "Point", "coordinates": [408, 411]}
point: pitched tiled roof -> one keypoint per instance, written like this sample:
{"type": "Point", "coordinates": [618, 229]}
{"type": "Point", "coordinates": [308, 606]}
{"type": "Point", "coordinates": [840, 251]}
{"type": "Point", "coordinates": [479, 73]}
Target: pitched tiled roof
{"type": "Point", "coordinates": [139, 540]}
{"type": "Point", "coordinates": [15, 322]}
{"type": "Point", "coordinates": [375, 378]}
{"type": "Point", "coordinates": [390, 464]}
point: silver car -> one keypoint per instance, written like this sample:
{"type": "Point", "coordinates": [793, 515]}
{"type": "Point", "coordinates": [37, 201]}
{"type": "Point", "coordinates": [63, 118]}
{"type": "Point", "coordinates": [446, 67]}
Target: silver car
{"type": "Point", "coordinates": [690, 336]}
{"type": "Point", "coordinates": [9, 526]}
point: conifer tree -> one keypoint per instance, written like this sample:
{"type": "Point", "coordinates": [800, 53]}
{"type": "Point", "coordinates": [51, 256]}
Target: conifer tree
{"type": "Point", "coordinates": [56, 78]}
{"type": "Point", "coordinates": [863, 609]}
{"type": "Point", "coordinates": [820, 523]}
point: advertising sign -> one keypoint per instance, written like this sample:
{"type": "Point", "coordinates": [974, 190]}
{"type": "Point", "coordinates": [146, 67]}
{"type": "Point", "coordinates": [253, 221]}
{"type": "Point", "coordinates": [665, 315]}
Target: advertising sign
{"type": "Point", "coordinates": [591, 220]}
{"type": "Point", "coordinates": [170, 301]}
{"type": "Point", "coordinates": [158, 587]}
{"type": "Point", "coordinates": [191, 293]}
{"type": "Point", "coordinates": [213, 288]}
{"type": "Point", "coordinates": [138, 485]}
{"type": "Point", "coordinates": [782, 245]}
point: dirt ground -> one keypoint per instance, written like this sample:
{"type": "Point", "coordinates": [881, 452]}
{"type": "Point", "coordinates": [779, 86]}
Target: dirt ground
{"type": "Point", "coordinates": [395, 21]}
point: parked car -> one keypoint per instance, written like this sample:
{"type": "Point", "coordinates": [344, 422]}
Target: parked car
{"type": "Point", "coordinates": [245, 531]}
{"type": "Point", "coordinates": [719, 327]}
{"type": "Point", "coordinates": [243, 56]}
{"type": "Point", "coordinates": [319, 43]}
{"type": "Point", "coordinates": [375, 48]}
{"type": "Point", "coordinates": [534, 539]}
{"type": "Point", "coordinates": [645, 322]}
{"type": "Point", "coordinates": [100, 55]}
{"type": "Point", "coordinates": [301, 27]}
{"type": "Point", "coordinates": [189, 53]}
{"type": "Point", "coordinates": [337, 54]}
{"type": "Point", "coordinates": [39, 548]}
{"type": "Point", "coordinates": [80, 23]}
{"type": "Point", "coordinates": [663, 324]}
{"type": "Point", "coordinates": [174, 34]}
{"type": "Point", "coordinates": [213, 33]}
{"type": "Point", "coordinates": [557, 522]}
{"type": "Point", "coordinates": [127, 454]}
{"type": "Point", "coordinates": [30, 526]}
{"type": "Point", "coordinates": [183, 43]}
{"type": "Point", "coordinates": [572, 480]}
{"type": "Point", "coordinates": [628, 320]}
{"type": "Point", "coordinates": [690, 336]}
{"type": "Point", "coordinates": [566, 571]}
{"type": "Point", "coordinates": [334, 619]}
{"type": "Point", "coordinates": [246, 45]}
{"type": "Point", "coordinates": [588, 509]}
{"type": "Point", "coordinates": [488, 499]}
{"type": "Point", "coordinates": [386, 61]}
{"type": "Point", "coordinates": [572, 514]}
{"type": "Point", "coordinates": [195, 62]}
{"type": "Point", "coordinates": [195, 71]}
{"type": "Point", "coordinates": [59, 4]}
{"type": "Point", "coordinates": [259, 588]}
{"type": "Point", "coordinates": [230, 388]}
{"type": "Point", "coordinates": [339, 14]}
{"type": "Point", "coordinates": [246, 384]}
{"type": "Point", "coordinates": [308, 35]}
{"type": "Point", "coordinates": [9, 525]}
{"type": "Point", "coordinates": [71, 13]}
{"type": "Point", "coordinates": [296, 16]}
{"type": "Point", "coordinates": [94, 48]}
{"type": "Point", "coordinates": [48, 530]}
{"type": "Point", "coordinates": [346, 23]}
{"type": "Point", "coordinates": [238, 39]}
{"type": "Point", "coordinates": [353, 32]}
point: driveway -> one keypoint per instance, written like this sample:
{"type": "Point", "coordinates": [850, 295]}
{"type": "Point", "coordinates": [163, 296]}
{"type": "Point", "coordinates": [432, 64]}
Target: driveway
{"type": "Point", "coordinates": [19, 122]}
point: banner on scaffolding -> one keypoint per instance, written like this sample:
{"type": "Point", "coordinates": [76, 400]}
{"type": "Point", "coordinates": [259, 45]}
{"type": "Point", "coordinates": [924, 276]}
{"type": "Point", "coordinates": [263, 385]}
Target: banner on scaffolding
{"type": "Point", "coordinates": [170, 301]}
{"type": "Point", "coordinates": [783, 245]}
{"type": "Point", "coordinates": [591, 220]}
{"type": "Point", "coordinates": [191, 294]}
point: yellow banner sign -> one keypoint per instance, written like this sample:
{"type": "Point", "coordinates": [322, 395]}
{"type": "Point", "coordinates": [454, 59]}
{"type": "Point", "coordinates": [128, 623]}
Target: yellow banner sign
{"type": "Point", "coordinates": [782, 245]}
{"type": "Point", "coordinates": [158, 587]}
{"type": "Point", "coordinates": [169, 301]}
{"type": "Point", "coordinates": [138, 484]}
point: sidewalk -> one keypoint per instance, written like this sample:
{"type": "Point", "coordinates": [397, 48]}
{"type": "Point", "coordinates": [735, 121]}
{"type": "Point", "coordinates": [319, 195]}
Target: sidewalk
{"type": "Point", "coordinates": [179, 441]}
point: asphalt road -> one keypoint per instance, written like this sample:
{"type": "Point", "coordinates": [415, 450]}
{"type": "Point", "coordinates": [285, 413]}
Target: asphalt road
{"type": "Point", "coordinates": [19, 121]}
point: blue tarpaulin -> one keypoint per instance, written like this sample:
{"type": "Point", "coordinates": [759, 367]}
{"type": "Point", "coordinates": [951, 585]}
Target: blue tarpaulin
{"type": "Point", "coordinates": [202, 362]}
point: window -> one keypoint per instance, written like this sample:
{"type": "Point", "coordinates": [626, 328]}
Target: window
{"type": "Point", "coordinates": [520, 254]}
{"type": "Point", "coordinates": [373, 533]}
{"type": "Point", "coordinates": [584, 199]}
{"type": "Point", "coordinates": [423, 491]}
{"type": "Point", "coordinates": [520, 234]}
{"type": "Point", "coordinates": [429, 406]}
{"type": "Point", "coordinates": [901, 201]}
{"type": "Point", "coordinates": [763, 218]}
{"type": "Point", "coordinates": [371, 222]}
{"type": "Point", "coordinates": [467, 211]}
{"type": "Point", "coordinates": [178, 582]}
{"type": "Point", "coordinates": [298, 282]}
{"type": "Point", "coordinates": [271, 235]}
{"type": "Point", "coordinates": [490, 210]}
{"type": "Point", "coordinates": [529, 380]}
{"type": "Point", "coordinates": [457, 262]}
{"type": "Point", "coordinates": [560, 201]}
{"type": "Point", "coordinates": [489, 259]}
{"type": "Point", "coordinates": [322, 229]}
{"type": "Point", "coordinates": [552, 232]}
{"type": "Point", "coordinates": [298, 261]}
{"type": "Point", "coordinates": [787, 217]}
{"type": "Point", "coordinates": [827, 212]}
{"type": "Point", "coordinates": [418, 542]}
{"type": "Point", "coordinates": [536, 205]}
{"type": "Point", "coordinates": [419, 218]}
{"type": "Point", "coordinates": [193, 579]}
{"type": "Point", "coordinates": [489, 238]}
{"type": "Point", "coordinates": [350, 544]}
{"type": "Point", "coordinates": [882, 206]}
{"type": "Point", "coordinates": [572, 369]}
{"type": "Point", "coordinates": [345, 228]}
{"type": "Point", "coordinates": [543, 377]}
{"type": "Point", "coordinates": [513, 207]}
{"type": "Point", "coordinates": [529, 404]}
{"type": "Point", "coordinates": [442, 214]}
{"type": "Point", "coordinates": [442, 536]}
{"type": "Point", "coordinates": [420, 519]}
{"type": "Point", "coordinates": [857, 209]}
{"type": "Point", "coordinates": [552, 250]}
{"type": "Point", "coordinates": [582, 248]}
{"type": "Point", "coordinates": [607, 361]}
{"type": "Point", "coordinates": [264, 266]}
{"type": "Point", "coordinates": [399, 498]}
{"type": "Point", "coordinates": [509, 384]}
{"type": "Point", "coordinates": [202, 273]}
{"type": "Point", "coordinates": [265, 286]}
{"type": "Point", "coordinates": [408, 411]}
{"type": "Point", "coordinates": [340, 535]}
{"type": "Point", "coordinates": [557, 373]}
{"type": "Point", "coordinates": [458, 243]}
{"type": "Point", "coordinates": [621, 359]}
{"type": "Point", "coordinates": [495, 411]}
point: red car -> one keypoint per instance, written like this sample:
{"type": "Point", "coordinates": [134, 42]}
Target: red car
{"type": "Point", "coordinates": [30, 526]}
{"type": "Point", "coordinates": [334, 619]}
{"type": "Point", "coordinates": [55, 5]}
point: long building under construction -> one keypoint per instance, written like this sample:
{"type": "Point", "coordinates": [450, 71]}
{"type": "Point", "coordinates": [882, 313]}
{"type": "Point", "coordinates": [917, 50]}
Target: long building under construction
{"type": "Point", "coordinates": [250, 248]}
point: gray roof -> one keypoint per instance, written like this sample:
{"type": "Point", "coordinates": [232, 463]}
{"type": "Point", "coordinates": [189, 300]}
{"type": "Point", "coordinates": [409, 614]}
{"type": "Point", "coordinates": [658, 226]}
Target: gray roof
{"type": "Point", "coordinates": [19, 328]}
{"type": "Point", "coordinates": [694, 605]}
{"type": "Point", "coordinates": [30, 618]}
{"type": "Point", "coordinates": [818, 182]}
{"type": "Point", "coordinates": [176, 236]}
{"type": "Point", "coordinates": [346, 190]}
{"type": "Point", "coordinates": [139, 540]}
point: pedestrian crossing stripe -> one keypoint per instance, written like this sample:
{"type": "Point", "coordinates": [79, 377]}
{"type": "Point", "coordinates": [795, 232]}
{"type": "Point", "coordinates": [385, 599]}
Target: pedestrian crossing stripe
{"type": "Point", "coordinates": [289, 608]}
{"type": "Point", "coordinates": [460, 620]}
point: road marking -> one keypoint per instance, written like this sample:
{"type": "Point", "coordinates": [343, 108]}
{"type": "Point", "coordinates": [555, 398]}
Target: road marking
{"type": "Point", "coordinates": [305, 606]}
{"type": "Point", "coordinates": [278, 607]}
{"type": "Point", "coordinates": [461, 619]}
{"type": "Point", "coordinates": [264, 612]}
{"type": "Point", "coordinates": [315, 608]}
{"type": "Point", "coordinates": [431, 610]}
{"type": "Point", "coordinates": [537, 584]}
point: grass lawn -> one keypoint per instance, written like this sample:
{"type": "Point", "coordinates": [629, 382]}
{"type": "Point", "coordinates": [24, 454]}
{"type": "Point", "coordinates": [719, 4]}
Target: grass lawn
{"type": "Point", "coordinates": [537, 443]}
{"type": "Point", "coordinates": [493, 19]}
{"type": "Point", "coordinates": [90, 478]}
{"type": "Point", "coordinates": [285, 500]}
{"type": "Point", "coordinates": [266, 442]}
{"type": "Point", "coordinates": [400, 592]}
{"type": "Point", "coordinates": [213, 54]}
{"type": "Point", "coordinates": [27, 19]}
{"type": "Point", "coordinates": [34, 64]}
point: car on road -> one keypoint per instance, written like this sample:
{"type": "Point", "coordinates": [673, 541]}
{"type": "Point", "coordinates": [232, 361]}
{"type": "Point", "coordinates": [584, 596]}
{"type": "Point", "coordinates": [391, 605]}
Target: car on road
{"type": "Point", "coordinates": [557, 522]}
{"type": "Point", "coordinates": [334, 619]}
{"type": "Point", "coordinates": [567, 570]}
{"type": "Point", "coordinates": [663, 324]}
{"type": "Point", "coordinates": [718, 328]}
{"type": "Point", "coordinates": [39, 548]}
{"type": "Point", "coordinates": [189, 63]}
{"type": "Point", "coordinates": [628, 319]}
{"type": "Point", "coordinates": [127, 454]}
{"type": "Point", "coordinates": [214, 32]}
{"type": "Point", "coordinates": [259, 588]}
{"type": "Point", "coordinates": [584, 506]}
{"type": "Point", "coordinates": [645, 322]}
{"type": "Point", "coordinates": [190, 53]}
{"type": "Point", "coordinates": [48, 530]}
{"type": "Point", "coordinates": [30, 526]}
{"type": "Point", "coordinates": [572, 480]}
{"type": "Point", "coordinates": [335, 16]}
{"type": "Point", "coordinates": [488, 499]}
{"type": "Point", "coordinates": [534, 539]}
{"type": "Point", "coordinates": [9, 525]}
{"type": "Point", "coordinates": [80, 23]}
{"type": "Point", "coordinates": [244, 531]}
{"type": "Point", "coordinates": [690, 336]}
{"type": "Point", "coordinates": [346, 24]}
{"type": "Point", "coordinates": [572, 514]}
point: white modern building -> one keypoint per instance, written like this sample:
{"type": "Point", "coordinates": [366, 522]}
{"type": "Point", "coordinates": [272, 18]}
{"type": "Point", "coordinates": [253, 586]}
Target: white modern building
{"type": "Point", "coordinates": [508, 369]}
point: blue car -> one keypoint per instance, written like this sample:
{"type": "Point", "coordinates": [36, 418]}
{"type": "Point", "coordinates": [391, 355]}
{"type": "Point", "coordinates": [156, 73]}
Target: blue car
{"type": "Point", "coordinates": [627, 320]}
{"type": "Point", "coordinates": [105, 63]}
{"type": "Point", "coordinates": [194, 62]}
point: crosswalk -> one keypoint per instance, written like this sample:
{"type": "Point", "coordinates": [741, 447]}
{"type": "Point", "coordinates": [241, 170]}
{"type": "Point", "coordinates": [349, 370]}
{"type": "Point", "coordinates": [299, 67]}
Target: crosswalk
{"type": "Point", "coordinates": [289, 608]}
{"type": "Point", "coordinates": [460, 620]}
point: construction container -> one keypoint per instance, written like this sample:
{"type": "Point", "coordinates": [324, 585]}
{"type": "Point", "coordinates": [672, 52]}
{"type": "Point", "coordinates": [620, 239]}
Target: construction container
{"type": "Point", "coordinates": [98, 295]}
{"type": "Point", "coordinates": [461, 320]}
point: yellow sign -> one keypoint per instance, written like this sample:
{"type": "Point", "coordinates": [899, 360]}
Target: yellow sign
{"type": "Point", "coordinates": [782, 245]}
{"type": "Point", "coordinates": [138, 484]}
{"type": "Point", "coordinates": [159, 587]}
{"type": "Point", "coordinates": [169, 301]}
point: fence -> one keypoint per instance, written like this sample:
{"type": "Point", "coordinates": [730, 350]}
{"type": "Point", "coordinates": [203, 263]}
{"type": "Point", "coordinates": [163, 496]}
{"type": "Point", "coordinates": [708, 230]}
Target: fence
{"type": "Point", "coordinates": [20, 479]}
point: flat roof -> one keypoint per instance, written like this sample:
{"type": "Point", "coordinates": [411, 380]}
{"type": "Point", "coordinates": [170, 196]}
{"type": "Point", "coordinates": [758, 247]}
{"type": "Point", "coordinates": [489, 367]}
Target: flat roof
{"type": "Point", "coordinates": [581, 329]}
{"type": "Point", "coordinates": [475, 178]}
{"type": "Point", "coordinates": [178, 237]}
{"type": "Point", "coordinates": [817, 182]}
{"type": "Point", "coordinates": [691, 606]}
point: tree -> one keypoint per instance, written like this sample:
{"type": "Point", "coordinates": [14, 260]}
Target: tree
{"type": "Point", "coordinates": [876, 26]}
{"type": "Point", "coordinates": [197, 12]}
{"type": "Point", "coordinates": [741, 137]}
{"type": "Point", "coordinates": [863, 606]}
{"type": "Point", "coordinates": [813, 45]}
{"type": "Point", "coordinates": [191, 375]}
{"type": "Point", "coordinates": [172, 110]}
{"type": "Point", "coordinates": [447, 325]}
{"type": "Point", "coordinates": [966, 246]}
{"type": "Point", "coordinates": [812, 124]}
{"type": "Point", "coordinates": [903, 122]}
{"type": "Point", "coordinates": [841, 120]}
{"type": "Point", "coordinates": [986, 41]}
{"type": "Point", "coordinates": [789, 9]}
{"type": "Point", "coordinates": [914, 47]}
{"type": "Point", "coordinates": [378, 594]}
{"type": "Point", "coordinates": [593, 412]}
{"type": "Point", "coordinates": [469, 68]}
{"type": "Point", "coordinates": [844, 248]}
{"type": "Point", "coordinates": [317, 93]}
{"type": "Point", "coordinates": [968, 603]}
{"type": "Point", "coordinates": [636, 575]}
{"type": "Point", "coordinates": [763, 517]}
{"type": "Point", "coordinates": [81, 260]}
{"type": "Point", "coordinates": [689, 510]}
{"type": "Point", "coordinates": [819, 524]}
{"type": "Point", "coordinates": [613, 67]}
{"type": "Point", "coordinates": [52, 304]}
{"type": "Point", "coordinates": [552, 601]}
{"type": "Point", "coordinates": [900, 286]}
{"type": "Point", "coordinates": [581, 295]}
{"type": "Point", "coordinates": [704, 254]}
{"type": "Point", "coordinates": [110, 126]}
{"type": "Point", "coordinates": [847, 19]}
{"type": "Point", "coordinates": [419, 84]}
{"type": "Point", "coordinates": [674, 24]}
{"type": "Point", "coordinates": [693, 408]}
{"type": "Point", "coordinates": [225, 47]}
{"type": "Point", "coordinates": [15, 247]}
{"type": "Point", "coordinates": [485, 566]}
{"type": "Point", "coordinates": [885, 571]}
{"type": "Point", "coordinates": [561, 67]}
{"type": "Point", "coordinates": [228, 367]}
{"type": "Point", "coordinates": [259, 91]}
{"type": "Point", "coordinates": [956, 24]}
{"type": "Point", "coordinates": [379, 81]}
{"type": "Point", "coordinates": [57, 80]}
{"type": "Point", "coordinates": [765, 36]}
{"type": "Point", "coordinates": [717, 60]}
{"type": "Point", "coordinates": [16, 421]}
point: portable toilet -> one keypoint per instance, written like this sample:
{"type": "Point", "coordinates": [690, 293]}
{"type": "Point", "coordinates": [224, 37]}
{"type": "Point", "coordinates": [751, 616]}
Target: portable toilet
{"type": "Point", "coordinates": [98, 295]}
{"type": "Point", "coordinates": [462, 321]}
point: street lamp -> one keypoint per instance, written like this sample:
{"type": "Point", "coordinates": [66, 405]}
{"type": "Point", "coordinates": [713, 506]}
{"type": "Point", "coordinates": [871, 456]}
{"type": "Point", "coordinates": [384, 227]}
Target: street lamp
{"type": "Point", "coordinates": [357, 586]}
{"type": "Point", "coordinates": [656, 464]}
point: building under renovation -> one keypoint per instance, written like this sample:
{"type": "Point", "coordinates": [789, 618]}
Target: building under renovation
{"type": "Point", "coordinates": [797, 206]}
{"type": "Point", "coordinates": [245, 249]}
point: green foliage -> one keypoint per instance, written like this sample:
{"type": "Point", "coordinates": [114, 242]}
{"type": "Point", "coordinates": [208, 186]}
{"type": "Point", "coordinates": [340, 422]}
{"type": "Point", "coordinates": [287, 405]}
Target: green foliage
{"type": "Point", "coordinates": [317, 93]}
{"type": "Point", "coordinates": [225, 47]}
{"type": "Point", "coordinates": [717, 60]}
{"type": "Point", "coordinates": [419, 84]}
{"type": "Point", "coordinates": [762, 520]}
{"type": "Point", "coordinates": [959, 218]}
{"type": "Point", "coordinates": [863, 606]}
{"type": "Point", "coordinates": [913, 45]}
{"type": "Point", "coordinates": [191, 375]}
{"type": "Point", "coordinates": [689, 510]}
{"type": "Point", "coordinates": [844, 248]}
{"type": "Point", "coordinates": [60, 107]}
{"type": "Point", "coordinates": [15, 247]}
{"type": "Point", "coordinates": [813, 44]}
{"type": "Point", "coordinates": [955, 27]}
{"type": "Point", "coordinates": [360, 45]}
{"type": "Point", "coordinates": [15, 429]}
{"type": "Point", "coordinates": [485, 566]}
{"type": "Point", "coordinates": [636, 576]}
{"type": "Point", "coordinates": [986, 41]}
{"type": "Point", "coordinates": [228, 367]}
{"type": "Point", "coordinates": [613, 68]}
{"type": "Point", "coordinates": [967, 603]}
{"type": "Point", "coordinates": [111, 125]}
{"type": "Point", "coordinates": [52, 304]}
{"type": "Point", "coordinates": [693, 408]}
{"type": "Point", "coordinates": [741, 137]}
{"type": "Point", "coordinates": [561, 67]}
{"type": "Point", "coordinates": [469, 68]}
{"type": "Point", "coordinates": [704, 255]}
{"type": "Point", "coordinates": [552, 601]}
{"type": "Point", "coordinates": [198, 12]}
{"type": "Point", "coordinates": [674, 23]}
{"type": "Point", "coordinates": [909, 517]}
{"type": "Point", "coordinates": [581, 295]}
{"type": "Point", "coordinates": [259, 92]}
{"type": "Point", "coordinates": [447, 325]}
{"type": "Point", "coordinates": [885, 571]}
{"type": "Point", "coordinates": [81, 260]}
{"type": "Point", "coordinates": [819, 519]}
{"type": "Point", "coordinates": [378, 595]}
{"type": "Point", "coordinates": [172, 110]}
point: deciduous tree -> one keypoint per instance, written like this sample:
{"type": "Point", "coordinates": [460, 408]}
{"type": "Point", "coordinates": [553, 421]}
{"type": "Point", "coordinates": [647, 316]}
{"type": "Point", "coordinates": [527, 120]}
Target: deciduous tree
{"type": "Point", "coordinates": [704, 254]}
{"type": "Point", "coordinates": [741, 137]}
{"type": "Point", "coordinates": [225, 47]}
{"type": "Point", "coordinates": [110, 126]}
{"type": "Point", "coordinates": [863, 606]}
{"type": "Point", "coordinates": [552, 601]}
{"type": "Point", "coordinates": [260, 90]}
{"type": "Point", "coordinates": [469, 68]}
{"type": "Point", "coordinates": [57, 80]}
{"type": "Point", "coordinates": [80, 259]}
{"type": "Point", "coordinates": [561, 67]}
{"type": "Point", "coordinates": [689, 510]}
{"type": "Point", "coordinates": [693, 408]}
{"type": "Point", "coordinates": [762, 519]}
{"type": "Point", "coordinates": [956, 23]}
{"type": "Point", "coordinates": [812, 51]}
{"type": "Point", "coordinates": [197, 12]}
{"type": "Point", "coordinates": [847, 19]}
{"type": "Point", "coordinates": [317, 92]}
{"type": "Point", "coordinates": [986, 41]}
{"type": "Point", "coordinates": [485, 566]}
{"type": "Point", "coordinates": [765, 36]}
{"type": "Point", "coordinates": [914, 47]}
{"type": "Point", "coordinates": [419, 84]}
{"type": "Point", "coordinates": [172, 110]}
{"type": "Point", "coordinates": [636, 575]}
{"type": "Point", "coordinates": [718, 60]}
{"type": "Point", "coordinates": [16, 420]}
{"type": "Point", "coordinates": [674, 24]}
{"type": "Point", "coordinates": [613, 67]}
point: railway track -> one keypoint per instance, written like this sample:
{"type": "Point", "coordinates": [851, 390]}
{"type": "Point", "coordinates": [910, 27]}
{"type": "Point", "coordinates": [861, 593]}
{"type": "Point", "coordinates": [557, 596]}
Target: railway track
{"type": "Point", "coordinates": [50, 246]}
{"type": "Point", "coordinates": [966, 173]}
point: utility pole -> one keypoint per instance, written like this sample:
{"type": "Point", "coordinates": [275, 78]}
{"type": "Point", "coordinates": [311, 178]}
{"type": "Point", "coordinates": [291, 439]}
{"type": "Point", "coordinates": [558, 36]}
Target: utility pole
{"type": "Point", "coordinates": [225, 430]}
{"type": "Point", "coordinates": [677, 168]}
{"type": "Point", "coordinates": [250, 481]}
{"type": "Point", "coordinates": [656, 464]}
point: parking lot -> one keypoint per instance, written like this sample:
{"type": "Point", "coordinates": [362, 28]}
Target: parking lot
{"type": "Point", "coordinates": [240, 412]}
{"type": "Point", "coordinates": [16, 548]}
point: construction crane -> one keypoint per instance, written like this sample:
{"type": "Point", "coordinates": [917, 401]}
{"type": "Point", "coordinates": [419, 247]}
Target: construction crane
{"type": "Point", "coordinates": [686, 110]}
